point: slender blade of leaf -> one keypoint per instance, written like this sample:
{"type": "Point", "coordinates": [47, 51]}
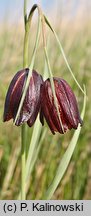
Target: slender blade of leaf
{"type": "Point", "coordinates": [63, 53]}
{"type": "Point", "coordinates": [66, 159]}
{"type": "Point", "coordinates": [30, 70]}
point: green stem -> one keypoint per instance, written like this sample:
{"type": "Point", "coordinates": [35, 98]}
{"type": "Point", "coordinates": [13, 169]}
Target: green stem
{"type": "Point", "coordinates": [25, 170]}
{"type": "Point", "coordinates": [25, 52]}
{"type": "Point", "coordinates": [23, 160]}
{"type": "Point", "coordinates": [25, 12]}
{"type": "Point", "coordinates": [24, 127]}
{"type": "Point", "coordinates": [25, 64]}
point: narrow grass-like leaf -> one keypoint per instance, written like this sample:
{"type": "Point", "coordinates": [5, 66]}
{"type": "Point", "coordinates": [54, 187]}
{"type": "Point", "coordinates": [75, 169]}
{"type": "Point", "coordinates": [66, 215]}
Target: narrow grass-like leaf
{"type": "Point", "coordinates": [32, 149]}
{"type": "Point", "coordinates": [34, 139]}
{"type": "Point", "coordinates": [35, 156]}
{"type": "Point", "coordinates": [66, 158]}
{"type": "Point", "coordinates": [52, 85]}
{"type": "Point", "coordinates": [63, 53]}
{"type": "Point", "coordinates": [10, 171]}
{"type": "Point", "coordinates": [36, 151]}
{"type": "Point", "coordinates": [46, 72]}
{"type": "Point", "coordinates": [33, 144]}
{"type": "Point", "coordinates": [30, 70]}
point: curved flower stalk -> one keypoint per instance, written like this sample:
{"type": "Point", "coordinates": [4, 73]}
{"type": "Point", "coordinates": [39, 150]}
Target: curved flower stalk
{"type": "Point", "coordinates": [31, 103]}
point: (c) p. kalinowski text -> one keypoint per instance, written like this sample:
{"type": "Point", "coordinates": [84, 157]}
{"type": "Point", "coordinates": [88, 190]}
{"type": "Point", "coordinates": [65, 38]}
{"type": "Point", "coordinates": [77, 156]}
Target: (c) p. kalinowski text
{"type": "Point", "coordinates": [49, 207]}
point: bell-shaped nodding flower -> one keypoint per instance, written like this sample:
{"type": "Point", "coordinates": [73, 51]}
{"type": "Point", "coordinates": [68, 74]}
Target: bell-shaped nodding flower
{"type": "Point", "coordinates": [67, 105]}
{"type": "Point", "coordinates": [31, 104]}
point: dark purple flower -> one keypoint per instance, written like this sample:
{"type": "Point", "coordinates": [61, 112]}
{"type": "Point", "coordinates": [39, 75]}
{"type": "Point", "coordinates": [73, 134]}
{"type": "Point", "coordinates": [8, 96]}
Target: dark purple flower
{"type": "Point", "coordinates": [31, 103]}
{"type": "Point", "coordinates": [67, 105]}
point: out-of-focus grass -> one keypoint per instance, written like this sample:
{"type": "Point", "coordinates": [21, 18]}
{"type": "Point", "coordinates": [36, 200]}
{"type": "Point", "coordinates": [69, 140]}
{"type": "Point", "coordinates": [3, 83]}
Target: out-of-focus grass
{"type": "Point", "coordinates": [76, 183]}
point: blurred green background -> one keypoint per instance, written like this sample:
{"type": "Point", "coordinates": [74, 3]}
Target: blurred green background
{"type": "Point", "coordinates": [72, 21]}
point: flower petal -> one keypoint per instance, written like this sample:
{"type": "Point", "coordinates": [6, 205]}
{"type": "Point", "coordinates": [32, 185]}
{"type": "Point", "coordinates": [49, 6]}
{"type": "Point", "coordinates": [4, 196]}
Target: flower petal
{"type": "Point", "coordinates": [14, 95]}
{"type": "Point", "coordinates": [68, 102]}
{"type": "Point", "coordinates": [31, 103]}
{"type": "Point", "coordinates": [48, 108]}
{"type": "Point", "coordinates": [34, 97]}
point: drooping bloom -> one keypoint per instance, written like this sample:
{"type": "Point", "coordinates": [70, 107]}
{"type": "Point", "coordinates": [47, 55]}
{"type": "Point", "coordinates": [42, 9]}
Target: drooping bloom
{"type": "Point", "coordinates": [31, 104]}
{"type": "Point", "coordinates": [67, 106]}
